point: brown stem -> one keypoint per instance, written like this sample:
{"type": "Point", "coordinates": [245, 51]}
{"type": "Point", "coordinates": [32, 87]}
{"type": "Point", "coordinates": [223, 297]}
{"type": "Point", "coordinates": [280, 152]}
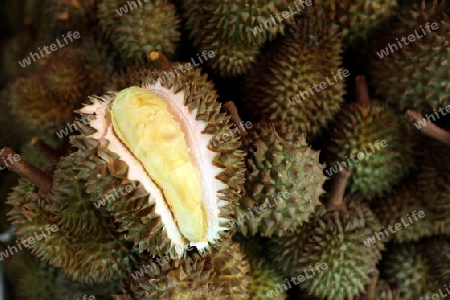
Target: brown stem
{"type": "Point", "coordinates": [13, 161]}
{"type": "Point", "coordinates": [231, 108]}
{"type": "Point", "coordinates": [362, 91]}
{"type": "Point", "coordinates": [336, 197]}
{"type": "Point", "coordinates": [159, 60]}
{"type": "Point", "coordinates": [429, 129]}
{"type": "Point", "coordinates": [47, 151]}
{"type": "Point", "coordinates": [371, 293]}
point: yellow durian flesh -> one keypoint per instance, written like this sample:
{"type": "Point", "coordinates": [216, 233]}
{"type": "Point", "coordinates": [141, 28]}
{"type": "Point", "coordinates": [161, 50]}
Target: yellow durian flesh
{"type": "Point", "coordinates": [143, 122]}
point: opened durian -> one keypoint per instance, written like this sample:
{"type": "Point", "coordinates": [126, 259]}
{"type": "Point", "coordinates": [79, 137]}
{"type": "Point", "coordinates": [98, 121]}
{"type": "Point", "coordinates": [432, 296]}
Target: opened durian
{"type": "Point", "coordinates": [163, 134]}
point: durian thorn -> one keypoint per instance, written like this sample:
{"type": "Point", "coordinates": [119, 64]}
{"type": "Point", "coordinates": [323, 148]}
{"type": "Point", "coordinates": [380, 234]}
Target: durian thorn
{"type": "Point", "coordinates": [429, 129]}
{"type": "Point", "coordinates": [362, 91]}
{"type": "Point", "coordinates": [159, 60]}
{"type": "Point", "coordinates": [231, 108]}
{"type": "Point", "coordinates": [48, 152]}
{"type": "Point", "coordinates": [336, 196]}
{"type": "Point", "coordinates": [371, 293]}
{"type": "Point", "coordinates": [26, 170]}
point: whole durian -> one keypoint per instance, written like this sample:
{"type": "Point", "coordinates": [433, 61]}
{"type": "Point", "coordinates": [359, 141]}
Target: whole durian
{"type": "Point", "coordinates": [222, 275]}
{"type": "Point", "coordinates": [414, 75]}
{"type": "Point", "coordinates": [136, 30]}
{"type": "Point", "coordinates": [387, 152]}
{"type": "Point", "coordinates": [407, 269]}
{"type": "Point", "coordinates": [284, 181]}
{"type": "Point", "coordinates": [331, 248]}
{"type": "Point", "coordinates": [180, 156]}
{"type": "Point", "coordinates": [278, 89]}
{"type": "Point", "coordinates": [357, 18]}
{"type": "Point", "coordinates": [397, 207]}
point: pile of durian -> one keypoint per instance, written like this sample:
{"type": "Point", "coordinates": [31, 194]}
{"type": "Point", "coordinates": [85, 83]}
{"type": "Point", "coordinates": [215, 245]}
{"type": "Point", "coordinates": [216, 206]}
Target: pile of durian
{"type": "Point", "coordinates": [184, 150]}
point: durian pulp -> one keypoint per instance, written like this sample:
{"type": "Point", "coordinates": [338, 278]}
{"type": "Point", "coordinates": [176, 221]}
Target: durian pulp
{"type": "Point", "coordinates": [143, 122]}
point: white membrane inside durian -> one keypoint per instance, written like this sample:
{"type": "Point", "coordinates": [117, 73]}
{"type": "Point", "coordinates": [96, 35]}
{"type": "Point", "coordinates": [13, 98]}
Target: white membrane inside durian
{"type": "Point", "coordinates": [202, 158]}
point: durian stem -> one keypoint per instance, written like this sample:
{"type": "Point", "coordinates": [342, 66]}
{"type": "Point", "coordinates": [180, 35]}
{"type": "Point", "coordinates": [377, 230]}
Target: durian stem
{"type": "Point", "coordinates": [429, 129]}
{"type": "Point", "coordinates": [362, 91]}
{"type": "Point", "coordinates": [26, 170]}
{"type": "Point", "coordinates": [49, 153]}
{"type": "Point", "coordinates": [371, 293]}
{"type": "Point", "coordinates": [231, 108]}
{"type": "Point", "coordinates": [159, 60]}
{"type": "Point", "coordinates": [336, 197]}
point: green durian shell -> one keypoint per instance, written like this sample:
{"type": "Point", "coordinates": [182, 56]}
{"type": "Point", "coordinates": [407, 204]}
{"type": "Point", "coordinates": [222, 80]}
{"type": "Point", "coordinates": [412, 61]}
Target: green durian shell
{"type": "Point", "coordinates": [437, 253]}
{"type": "Point", "coordinates": [284, 175]}
{"type": "Point", "coordinates": [335, 238]}
{"type": "Point", "coordinates": [384, 292]}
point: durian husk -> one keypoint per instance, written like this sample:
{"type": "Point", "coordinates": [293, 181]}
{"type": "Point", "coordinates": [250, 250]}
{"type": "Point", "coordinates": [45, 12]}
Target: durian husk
{"type": "Point", "coordinates": [334, 237]}
{"type": "Point", "coordinates": [284, 181]}
{"type": "Point", "coordinates": [306, 55]}
{"type": "Point", "coordinates": [437, 253]}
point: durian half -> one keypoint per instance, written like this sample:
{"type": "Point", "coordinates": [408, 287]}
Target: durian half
{"type": "Point", "coordinates": [163, 133]}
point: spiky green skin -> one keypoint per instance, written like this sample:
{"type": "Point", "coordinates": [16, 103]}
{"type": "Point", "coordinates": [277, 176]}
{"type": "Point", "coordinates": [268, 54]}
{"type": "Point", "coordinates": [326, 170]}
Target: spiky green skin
{"type": "Point", "coordinates": [284, 181]}
{"type": "Point", "coordinates": [336, 238]}
{"type": "Point", "coordinates": [222, 275]}
{"type": "Point", "coordinates": [134, 35]}
{"type": "Point", "coordinates": [407, 269]}
{"type": "Point", "coordinates": [398, 205]}
{"type": "Point", "coordinates": [415, 76]}
{"type": "Point", "coordinates": [355, 130]}
{"type": "Point", "coordinates": [32, 279]}
{"type": "Point", "coordinates": [144, 227]}
{"type": "Point", "coordinates": [287, 70]}
{"type": "Point", "coordinates": [357, 18]}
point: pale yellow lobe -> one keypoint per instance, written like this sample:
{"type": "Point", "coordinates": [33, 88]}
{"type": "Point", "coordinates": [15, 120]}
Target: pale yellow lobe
{"type": "Point", "coordinates": [144, 124]}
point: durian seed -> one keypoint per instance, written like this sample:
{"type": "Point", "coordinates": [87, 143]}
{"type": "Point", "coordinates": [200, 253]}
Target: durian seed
{"type": "Point", "coordinates": [144, 123]}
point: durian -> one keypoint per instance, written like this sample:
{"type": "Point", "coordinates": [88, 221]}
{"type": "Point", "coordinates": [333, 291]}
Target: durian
{"type": "Point", "coordinates": [222, 275]}
{"type": "Point", "coordinates": [380, 155]}
{"type": "Point", "coordinates": [329, 252]}
{"type": "Point", "coordinates": [215, 174]}
{"type": "Point", "coordinates": [407, 268]}
{"type": "Point", "coordinates": [413, 75]}
{"type": "Point", "coordinates": [283, 183]}
{"type": "Point", "coordinates": [135, 30]}
{"type": "Point", "coordinates": [357, 18]}
{"type": "Point", "coordinates": [279, 87]}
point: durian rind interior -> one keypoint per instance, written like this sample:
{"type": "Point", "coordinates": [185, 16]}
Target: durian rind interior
{"type": "Point", "coordinates": [221, 168]}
